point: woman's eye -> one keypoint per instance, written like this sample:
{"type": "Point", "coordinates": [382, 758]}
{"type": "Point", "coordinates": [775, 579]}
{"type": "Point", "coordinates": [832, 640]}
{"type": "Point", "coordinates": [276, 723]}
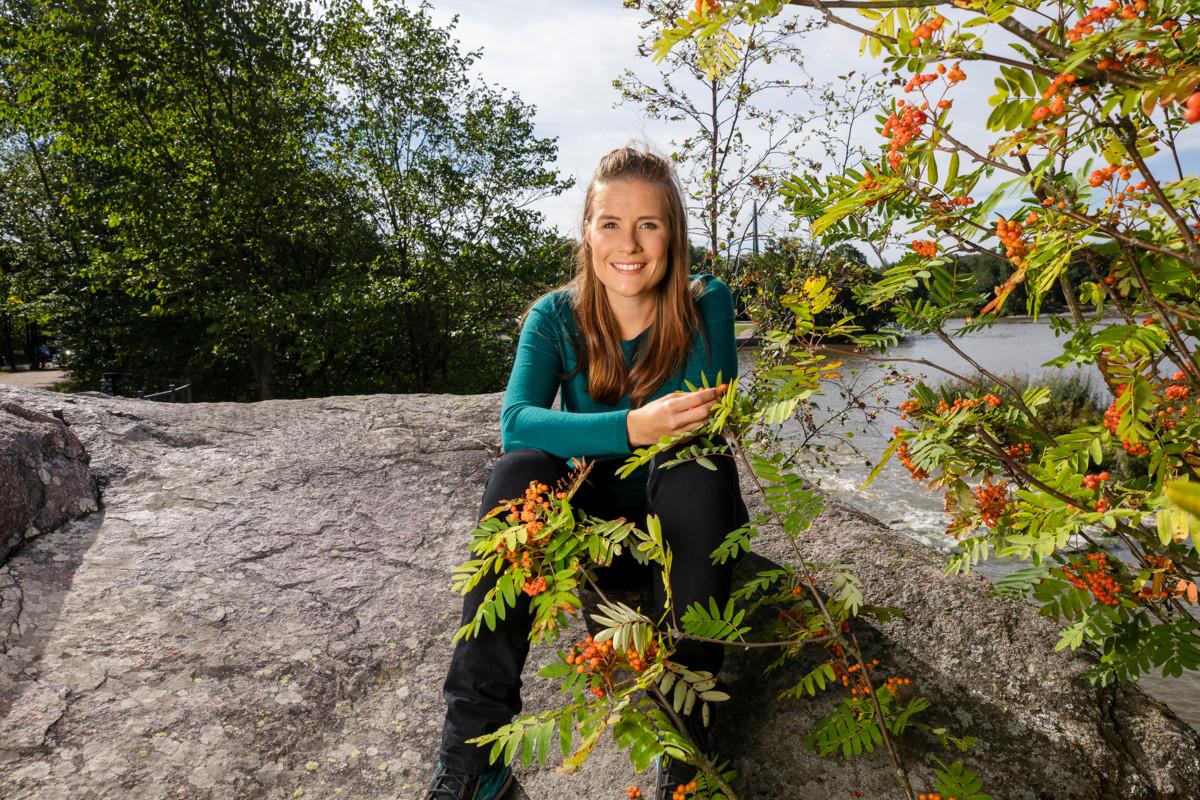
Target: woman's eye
{"type": "Point", "coordinates": [650, 225]}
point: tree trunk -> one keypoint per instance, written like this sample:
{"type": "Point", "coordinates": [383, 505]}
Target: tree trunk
{"type": "Point", "coordinates": [713, 182]}
{"type": "Point", "coordinates": [262, 361]}
{"type": "Point", "coordinates": [9, 352]}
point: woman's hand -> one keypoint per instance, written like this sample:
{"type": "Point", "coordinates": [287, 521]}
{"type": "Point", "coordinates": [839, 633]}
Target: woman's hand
{"type": "Point", "coordinates": [676, 413]}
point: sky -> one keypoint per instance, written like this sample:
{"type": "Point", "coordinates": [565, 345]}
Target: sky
{"type": "Point", "coordinates": [561, 56]}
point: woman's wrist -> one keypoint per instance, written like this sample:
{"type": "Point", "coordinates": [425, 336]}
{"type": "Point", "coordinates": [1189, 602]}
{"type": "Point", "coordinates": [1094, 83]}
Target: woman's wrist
{"type": "Point", "coordinates": [632, 428]}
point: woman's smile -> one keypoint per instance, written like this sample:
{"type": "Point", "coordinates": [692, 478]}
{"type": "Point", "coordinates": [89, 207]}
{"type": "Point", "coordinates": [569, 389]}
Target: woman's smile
{"type": "Point", "coordinates": [628, 266]}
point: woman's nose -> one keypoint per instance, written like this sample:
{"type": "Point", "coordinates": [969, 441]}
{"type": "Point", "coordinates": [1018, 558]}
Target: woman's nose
{"type": "Point", "coordinates": [631, 240]}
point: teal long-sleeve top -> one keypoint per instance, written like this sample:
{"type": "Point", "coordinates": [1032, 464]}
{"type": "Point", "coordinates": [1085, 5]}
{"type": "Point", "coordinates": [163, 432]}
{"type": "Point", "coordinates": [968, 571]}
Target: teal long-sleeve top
{"type": "Point", "coordinates": [582, 426]}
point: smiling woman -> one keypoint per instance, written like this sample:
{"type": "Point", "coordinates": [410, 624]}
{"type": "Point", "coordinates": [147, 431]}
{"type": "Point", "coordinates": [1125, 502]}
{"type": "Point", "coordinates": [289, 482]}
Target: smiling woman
{"type": "Point", "coordinates": [618, 344]}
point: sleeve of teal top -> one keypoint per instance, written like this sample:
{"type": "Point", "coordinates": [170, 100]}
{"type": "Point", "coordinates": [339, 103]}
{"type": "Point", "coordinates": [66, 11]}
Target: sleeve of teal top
{"type": "Point", "coordinates": [526, 419]}
{"type": "Point", "coordinates": [716, 309]}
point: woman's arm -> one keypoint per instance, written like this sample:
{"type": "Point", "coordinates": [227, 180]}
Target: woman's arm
{"type": "Point", "coordinates": [716, 310]}
{"type": "Point", "coordinates": [526, 419]}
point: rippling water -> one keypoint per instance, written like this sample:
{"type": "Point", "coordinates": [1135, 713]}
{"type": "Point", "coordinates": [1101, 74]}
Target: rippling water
{"type": "Point", "coordinates": [1009, 347]}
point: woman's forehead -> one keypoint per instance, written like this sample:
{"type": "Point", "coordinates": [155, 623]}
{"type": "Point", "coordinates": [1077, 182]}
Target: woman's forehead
{"type": "Point", "coordinates": [628, 197]}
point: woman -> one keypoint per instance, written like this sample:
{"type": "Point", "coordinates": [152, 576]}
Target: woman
{"type": "Point", "coordinates": [618, 342]}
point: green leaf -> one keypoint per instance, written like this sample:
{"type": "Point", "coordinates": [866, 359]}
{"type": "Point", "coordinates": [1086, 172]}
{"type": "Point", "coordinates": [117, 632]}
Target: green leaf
{"type": "Point", "coordinates": [1185, 494]}
{"type": "Point", "coordinates": [951, 171]}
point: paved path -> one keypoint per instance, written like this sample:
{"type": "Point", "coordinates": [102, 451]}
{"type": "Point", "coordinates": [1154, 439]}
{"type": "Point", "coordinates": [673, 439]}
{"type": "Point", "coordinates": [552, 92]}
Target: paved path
{"type": "Point", "coordinates": [35, 379]}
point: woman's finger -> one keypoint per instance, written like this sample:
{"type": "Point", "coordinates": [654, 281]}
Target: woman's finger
{"type": "Point", "coordinates": [686, 400]}
{"type": "Point", "coordinates": [692, 417]}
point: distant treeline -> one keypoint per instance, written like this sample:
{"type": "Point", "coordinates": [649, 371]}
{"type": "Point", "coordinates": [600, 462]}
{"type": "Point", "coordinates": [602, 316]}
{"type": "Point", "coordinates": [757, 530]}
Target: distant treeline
{"type": "Point", "coordinates": [270, 202]}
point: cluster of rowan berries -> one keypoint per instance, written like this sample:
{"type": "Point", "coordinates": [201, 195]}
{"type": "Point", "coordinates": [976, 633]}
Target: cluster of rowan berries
{"type": "Point", "coordinates": [528, 511]}
{"type": "Point", "coordinates": [684, 790]}
{"type": "Point", "coordinates": [925, 248]}
{"type": "Point", "coordinates": [1135, 449]}
{"type": "Point", "coordinates": [1177, 392]}
{"type": "Point", "coordinates": [991, 500]}
{"type": "Point", "coordinates": [534, 586]}
{"type": "Point", "coordinates": [1112, 415]}
{"type": "Point", "coordinates": [933, 796]}
{"type": "Point", "coordinates": [895, 684]}
{"type": "Point", "coordinates": [919, 80]}
{"type": "Point", "coordinates": [1057, 92]}
{"type": "Point", "coordinates": [968, 403]}
{"type": "Point", "coordinates": [633, 793]}
{"type": "Point", "coordinates": [709, 6]}
{"type": "Point", "coordinates": [1019, 451]}
{"type": "Point", "coordinates": [1086, 26]}
{"type": "Point", "coordinates": [925, 30]}
{"type": "Point", "coordinates": [536, 501]}
{"type": "Point", "coordinates": [1096, 480]}
{"type": "Point", "coordinates": [1009, 234]}
{"type": "Point", "coordinates": [909, 407]}
{"type": "Point", "coordinates": [601, 660]}
{"type": "Point", "coordinates": [846, 673]}
{"type": "Point", "coordinates": [944, 206]}
{"type": "Point", "coordinates": [1093, 575]}
{"type": "Point", "coordinates": [1120, 59]}
{"type": "Point", "coordinates": [1061, 204]}
{"type": "Point", "coordinates": [905, 457]}
{"type": "Point", "coordinates": [1129, 196]}
{"type": "Point", "coordinates": [1104, 174]}
{"type": "Point", "coordinates": [953, 75]}
{"type": "Point", "coordinates": [902, 130]}
{"type": "Point", "coordinates": [868, 182]}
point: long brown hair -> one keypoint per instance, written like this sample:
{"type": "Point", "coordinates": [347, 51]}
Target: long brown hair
{"type": "Point", "coordinates": [675, 318]}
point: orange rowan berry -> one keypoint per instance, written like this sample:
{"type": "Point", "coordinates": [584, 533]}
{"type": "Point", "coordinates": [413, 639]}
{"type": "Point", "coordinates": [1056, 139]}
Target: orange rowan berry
{"type": "Point", "coordinates": [992, 501]}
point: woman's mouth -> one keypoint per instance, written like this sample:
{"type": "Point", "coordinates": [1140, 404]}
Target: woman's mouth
{"type": "Point", "coordinates": [627, 267]}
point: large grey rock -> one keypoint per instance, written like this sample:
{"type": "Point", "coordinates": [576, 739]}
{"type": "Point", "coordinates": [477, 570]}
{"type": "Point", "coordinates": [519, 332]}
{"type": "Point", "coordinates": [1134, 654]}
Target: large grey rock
{"type": "Point", "coordinates": [44, 476]}
{"type": "Point", "coordinates": [263, 607]}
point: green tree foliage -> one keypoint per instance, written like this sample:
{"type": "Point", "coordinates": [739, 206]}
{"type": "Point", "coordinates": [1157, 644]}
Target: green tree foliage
{"type": "Point", "coordinates": [446, 168]}
{"type": "Point", "coordinates": [237, 194]}
{"type": "Point", "coordinates": [781, 270]}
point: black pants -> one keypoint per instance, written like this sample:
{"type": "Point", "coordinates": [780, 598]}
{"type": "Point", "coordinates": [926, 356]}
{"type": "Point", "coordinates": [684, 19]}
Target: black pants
{"type": "Point", "coordinates": [697, 508]}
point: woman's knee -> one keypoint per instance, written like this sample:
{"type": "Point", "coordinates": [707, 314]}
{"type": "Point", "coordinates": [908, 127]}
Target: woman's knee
{"type": "Point", "coordinates": [514, 471]}
{"type": "Point", "coordinates": [694, 478]}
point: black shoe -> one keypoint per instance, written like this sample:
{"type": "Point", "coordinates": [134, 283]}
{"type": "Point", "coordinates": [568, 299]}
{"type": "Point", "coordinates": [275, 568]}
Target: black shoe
{"type": "Point", "coordinates": [450, 785]}
{"type": "Point", "coordinates": [671, 773]}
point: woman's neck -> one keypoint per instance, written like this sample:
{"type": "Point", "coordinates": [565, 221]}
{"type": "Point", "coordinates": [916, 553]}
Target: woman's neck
{"type": "Point", "coordinates": [633, 314]}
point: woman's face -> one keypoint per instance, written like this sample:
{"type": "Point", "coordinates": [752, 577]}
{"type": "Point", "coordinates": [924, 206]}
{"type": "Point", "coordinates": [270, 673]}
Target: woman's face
{"type": "Point", "coordinates": [629, 238]}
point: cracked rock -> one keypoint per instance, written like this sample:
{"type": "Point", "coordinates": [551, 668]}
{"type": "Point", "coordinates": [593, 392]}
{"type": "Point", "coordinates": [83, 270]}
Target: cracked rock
{"type": "Point", "coordinates": [262, 610]}
{"type": "Point", "coordinates": [44, 476]}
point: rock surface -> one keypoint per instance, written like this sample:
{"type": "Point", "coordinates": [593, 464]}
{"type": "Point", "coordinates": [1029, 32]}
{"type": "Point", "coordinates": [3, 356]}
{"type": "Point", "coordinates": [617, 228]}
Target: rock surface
{"type": "Point", "coordinates": [44, 476]}
{"type": "Point", "coordinates": [262, 610]}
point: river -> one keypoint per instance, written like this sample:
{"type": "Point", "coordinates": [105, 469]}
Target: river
{"type": "Point", "coordinates": [1010, 347]}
